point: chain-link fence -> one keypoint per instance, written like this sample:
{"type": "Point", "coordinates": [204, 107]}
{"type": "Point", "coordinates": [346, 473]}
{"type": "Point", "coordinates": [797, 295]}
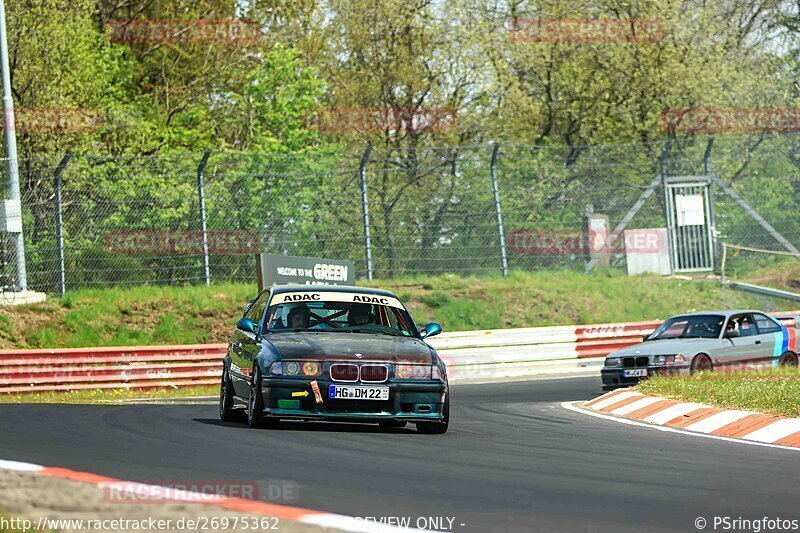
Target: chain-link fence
{"type": "Point", "coordinates": [93, 221]}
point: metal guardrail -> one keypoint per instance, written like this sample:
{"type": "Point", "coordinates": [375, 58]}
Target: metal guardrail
{"type": "Point", "coordinates": [470, 355]}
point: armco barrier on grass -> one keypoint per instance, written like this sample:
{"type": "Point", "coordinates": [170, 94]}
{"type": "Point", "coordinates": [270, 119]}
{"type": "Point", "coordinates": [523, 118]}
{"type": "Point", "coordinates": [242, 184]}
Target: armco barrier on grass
{"type": "Point", "coordinates": [470, 355]}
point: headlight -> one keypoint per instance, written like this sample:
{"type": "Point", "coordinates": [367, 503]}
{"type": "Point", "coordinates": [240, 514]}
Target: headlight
{"type": "Point", "coordinates": [412, 371]}
{"type": "Point", "coordinates": [276, 368]}
{"type": "Point", "coordinates": [613, 361]}
{"type": "Point", "coordinates": [436, 373]}
{"type": "Point", "coordinates": [311, 369]}
{"type": "Point", "coordinates": [668, 359]}
{"type": "Point", "coordinates": [307, 369]}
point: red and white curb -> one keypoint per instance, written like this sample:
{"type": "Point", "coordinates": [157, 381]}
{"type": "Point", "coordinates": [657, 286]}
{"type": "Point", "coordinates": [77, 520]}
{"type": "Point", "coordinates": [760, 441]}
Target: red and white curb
{"type": "Point", "coordinates": [285, 512]}
{"type": "Point", "coordinates": [727, 424]}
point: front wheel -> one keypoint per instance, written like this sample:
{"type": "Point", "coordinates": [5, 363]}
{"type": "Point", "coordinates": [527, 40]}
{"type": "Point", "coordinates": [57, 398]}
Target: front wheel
{"type": "Point", "coordinates": [255, 404]}
{"type": "Point", "coordinates": [437, 428]}
{"type": "Point", "coordinates": [702, 363]}
{"type": "Point", "coordinates": [788, 359]}
{"type": "Point", "coordinates": [226, 393]}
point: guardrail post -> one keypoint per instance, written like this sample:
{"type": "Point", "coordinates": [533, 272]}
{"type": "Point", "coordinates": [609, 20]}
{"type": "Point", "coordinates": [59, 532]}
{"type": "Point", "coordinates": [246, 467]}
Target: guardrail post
{"type": "Point", "coordinates": [498, 210]}
{"type": "Point", "coordinates": [201, 192]}
{"type": "Point", "coordinates": [362, 170]}
{"type": "Point", "coordinates": [62, 275]}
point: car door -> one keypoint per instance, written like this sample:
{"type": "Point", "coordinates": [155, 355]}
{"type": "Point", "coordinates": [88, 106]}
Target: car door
{"type": "Point", "coordinates": [774, 339]}
{"type": "Point", "coordinates": [747, 346]}
{"type": "Point", "coordinates": [244, 347]}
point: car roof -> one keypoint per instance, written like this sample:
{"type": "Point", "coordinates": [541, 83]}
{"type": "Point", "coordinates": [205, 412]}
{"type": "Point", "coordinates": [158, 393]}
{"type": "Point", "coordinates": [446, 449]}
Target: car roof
{"type": "Point", "coordinates": [279, 289]}
{"type": "Point", "coordinates": [723, 312]}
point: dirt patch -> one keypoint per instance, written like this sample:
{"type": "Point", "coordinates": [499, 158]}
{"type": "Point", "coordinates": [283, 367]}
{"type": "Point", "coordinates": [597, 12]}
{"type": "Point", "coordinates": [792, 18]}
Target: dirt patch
{"type": "Point", "coordinates": [786, 278]}
{"type": "Point", "coordinates": [30, 495]}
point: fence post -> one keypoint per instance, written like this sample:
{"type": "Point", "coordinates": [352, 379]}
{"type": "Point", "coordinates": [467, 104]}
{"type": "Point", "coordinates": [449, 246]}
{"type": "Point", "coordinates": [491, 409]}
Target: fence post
{"type": "Point", "coordinates": [201, 192]}
{"type": "Point", "coordinates": [362, 170]}
{"type": "Point", "coordinates": [498, 210]}
{"type": "Point", "coordinates": [62, 275]}
{"type": "Point", "coordinates": [662, 165]}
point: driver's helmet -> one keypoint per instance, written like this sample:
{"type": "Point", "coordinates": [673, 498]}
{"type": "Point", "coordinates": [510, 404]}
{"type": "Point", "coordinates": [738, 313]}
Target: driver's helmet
{"type": "Point", "coordinates": [359, 314]}
{"type": "Point", "coordinates": [298, 317]}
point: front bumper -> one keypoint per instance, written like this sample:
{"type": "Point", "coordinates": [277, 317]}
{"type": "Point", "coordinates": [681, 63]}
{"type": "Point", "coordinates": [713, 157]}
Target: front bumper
{"type": "Point", "coordinates": [413, 401]}
{"type": "Point", "coordinates": [614, 378]}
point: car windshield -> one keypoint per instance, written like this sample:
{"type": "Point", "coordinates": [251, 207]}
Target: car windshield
{"type": "Point", "coordinates": [690, 327]}
{"type": "Point", "coordinates": [339, 312]}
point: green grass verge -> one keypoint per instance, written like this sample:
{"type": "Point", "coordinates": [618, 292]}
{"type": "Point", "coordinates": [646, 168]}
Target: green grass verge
{"type": "Point", "coordinates": [767, 391]}
{"type": "Point", "coordinates": [198, 314]}
{"type": "Point", "coordinates": [108, 395]}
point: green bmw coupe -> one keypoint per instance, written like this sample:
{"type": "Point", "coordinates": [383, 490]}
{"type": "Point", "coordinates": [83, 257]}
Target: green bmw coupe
{"type": "Point", "coordinates": [335, 353]}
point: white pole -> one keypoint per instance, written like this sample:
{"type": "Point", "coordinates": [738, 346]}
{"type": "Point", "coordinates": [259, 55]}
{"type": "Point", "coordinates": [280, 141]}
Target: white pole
{"type": "Point", "coordinates": [11, 144]}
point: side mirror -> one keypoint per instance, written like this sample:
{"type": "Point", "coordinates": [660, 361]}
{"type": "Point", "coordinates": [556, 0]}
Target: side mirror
{"type": "Point", "coordinates": [247, 325]}
{"type": "Point", "coordinates": [732, 334]}
{"type": "Point", "coordinates": [248, 306]}
{"type": "Point", "coordinates": [431, 329]}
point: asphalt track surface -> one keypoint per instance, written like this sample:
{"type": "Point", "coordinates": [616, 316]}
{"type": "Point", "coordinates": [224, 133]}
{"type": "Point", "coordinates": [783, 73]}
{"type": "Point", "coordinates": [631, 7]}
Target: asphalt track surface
{"type": "Point", "coordinates": [513, 460]}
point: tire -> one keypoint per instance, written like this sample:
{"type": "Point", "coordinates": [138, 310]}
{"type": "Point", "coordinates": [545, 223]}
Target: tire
{"type": "Point", "coordinates": [788, 359]}
{"type": "Point", "coordinates": [436, 428]}
{"type": "Point", "coordinates": [255, 404]}
{"type": "Point", "coordinates": [702, 363]}
{"type": "Point", "coordinates": [226, 393]}
{"type": "Point", "coordinates": [392, 424]}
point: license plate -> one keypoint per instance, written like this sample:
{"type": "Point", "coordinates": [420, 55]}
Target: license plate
{"type": "Point", "coordinates": [348, 392]}
{"type": "Point", "coordinates": [636, 373]}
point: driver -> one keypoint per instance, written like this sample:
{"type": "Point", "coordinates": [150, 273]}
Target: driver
{"type": "Point", "coordinates": [359, 314]}
{"type": "Point", "coordinates": [299, 317]}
